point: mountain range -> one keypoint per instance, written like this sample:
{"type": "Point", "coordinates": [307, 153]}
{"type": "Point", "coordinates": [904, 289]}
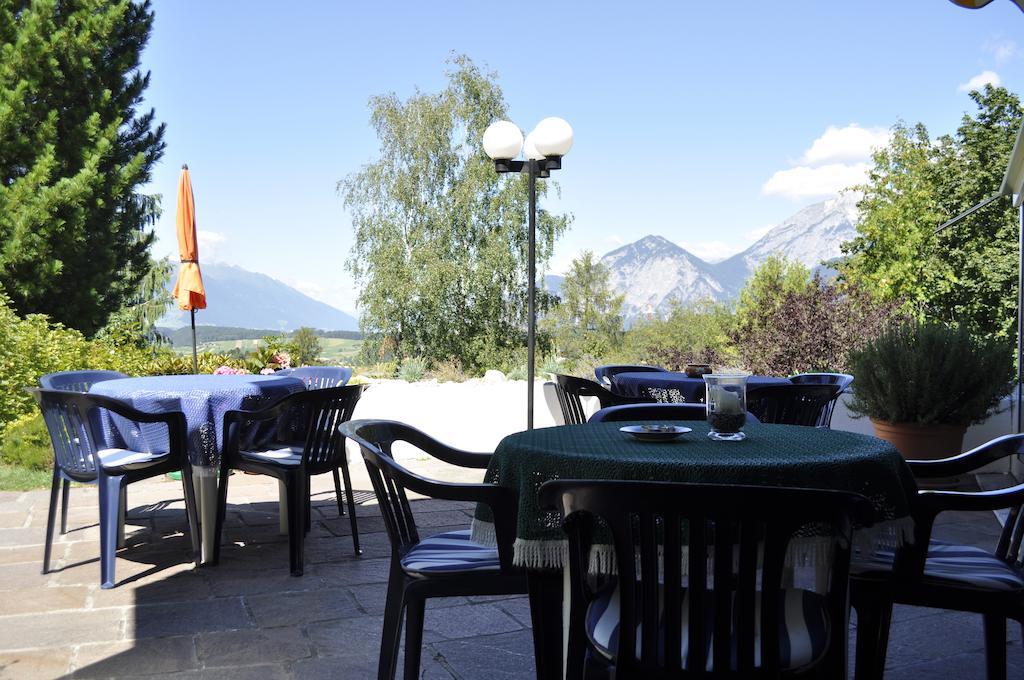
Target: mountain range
{"type": "Point", "coordinates": [238, 297]}
{"type": "Point", "coordinates": [653, 272]}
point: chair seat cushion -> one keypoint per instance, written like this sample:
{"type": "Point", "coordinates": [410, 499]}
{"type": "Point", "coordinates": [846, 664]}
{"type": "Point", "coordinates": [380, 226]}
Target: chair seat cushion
{"type": "Point", "coordinates": [450, 552]}
{"type": "Point", "coordinates": [953, 565]}
{"type": "Point", "coordinates": [803, 625]}
{"type": "Point", "coordinates": [284, 455]}
{"type": "Point", "coordinates": [129, 460]}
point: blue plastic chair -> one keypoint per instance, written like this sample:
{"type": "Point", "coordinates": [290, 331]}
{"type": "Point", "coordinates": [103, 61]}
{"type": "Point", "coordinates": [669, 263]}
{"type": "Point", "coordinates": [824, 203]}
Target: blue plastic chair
{"type": "Point", "coordinates": [76, 381]}
{"type": "Point", "coordinates": [319, 377]}
{"type": "Point", "coordinates": [71, 421]}
{"type": "Point", "coordinates": [604, 374]}
{"type": "Point", "coordinates": [842, 380]}
{"type": "Point", "coordinates": [618, 414]}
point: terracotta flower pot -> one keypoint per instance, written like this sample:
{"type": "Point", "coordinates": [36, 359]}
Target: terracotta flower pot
{"type": "Point", "coordinates": [922, 442]}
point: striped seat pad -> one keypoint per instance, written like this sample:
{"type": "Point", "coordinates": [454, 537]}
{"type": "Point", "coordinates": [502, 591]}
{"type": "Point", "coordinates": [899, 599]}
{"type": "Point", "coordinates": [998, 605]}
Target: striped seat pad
{"type": "Point", "coordinates": [285, 455]}
{"type": "Point", "coordinates": [954, 564]}
{"type": "Point", "coordinates": [452, 551]}
{"type": "Point", "coordinates": [127, 459]}
{"type": "Point", "coordinates": [803, 627]}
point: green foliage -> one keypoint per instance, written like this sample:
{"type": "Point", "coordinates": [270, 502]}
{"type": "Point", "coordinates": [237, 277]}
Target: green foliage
{"type": "Point", "coordinates": [413, 369]}
{"type": "Point", "coordinates": [929, 373]}
{"type": "Point", "coordinates": [74, 152]}
{"type": "Point", "coordinates": [697, 333]}
{"type": "Point", "coordinates": [306, 347]}
{"type": "Point", "coordinates": [588, 320]}
{"type": "Point", "coordinates": [384, 369]}
{"type": "Point", "coordinates": [763, 293]}
{"type": "Point", "coordinates": [440, 247]}
{"type": "Point", "coordinates": [966, 274]}
{"type": "Point", "coordinates": [26, 443]}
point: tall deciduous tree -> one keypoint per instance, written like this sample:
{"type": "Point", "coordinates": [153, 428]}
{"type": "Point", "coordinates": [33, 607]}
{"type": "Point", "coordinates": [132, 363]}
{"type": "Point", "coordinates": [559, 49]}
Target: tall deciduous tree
{"type": "Point", "coordinates": [588, 321]}
{"type": "Point", "coordinates": [74, 152]}
{"type": "Point", "coordinates": [966, 274]}
{"type": "Point", "coordinates": [440, 250]}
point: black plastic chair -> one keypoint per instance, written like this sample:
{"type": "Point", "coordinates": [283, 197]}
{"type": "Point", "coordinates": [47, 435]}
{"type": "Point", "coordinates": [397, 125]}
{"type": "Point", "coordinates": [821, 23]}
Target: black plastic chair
{"type": "Point", "coordinates": [446, 565]}
{"type": "Point", "coordinates": [604, 374]}
{"type": "Point", "coordinates": [791, 404]}
{"type": "Point", "coordinates": [929, 573]}
{"type": "Point", "coordinates": [71, 420]}
{"type": "Point", "coordinates": [314, 416]}
{"type": "Point", "coordinates": [842, 380]}
{"type": "Point", "coordinates": [699, 588]}
{"type": "Point", "coordinates": [627, 412]}
{"type": "Point", "coordinates": [75, 381]}
{"type": "Point", "coordinates": [570, 389]}
{"type": "Point", "coordinates": [318, 377]}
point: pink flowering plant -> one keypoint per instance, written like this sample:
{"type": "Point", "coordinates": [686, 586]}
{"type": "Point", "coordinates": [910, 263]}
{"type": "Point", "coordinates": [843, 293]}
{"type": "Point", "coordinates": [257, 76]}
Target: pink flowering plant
{"type": "Point", "coordinates": [271, 354]}
{"type": "Point", "coordinates": [229, 370]}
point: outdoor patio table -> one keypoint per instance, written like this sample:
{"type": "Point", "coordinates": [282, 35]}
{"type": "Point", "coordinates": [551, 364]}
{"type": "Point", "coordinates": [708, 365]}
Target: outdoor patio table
{"type": "Point", "coordinates": [776, 455]}
{"type": "Point", "coordinates": [674, 387]}
{"type": "Point", "coordinates": [204, 399]}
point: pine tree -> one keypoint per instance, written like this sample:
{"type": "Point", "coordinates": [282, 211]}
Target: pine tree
{"type": "Point", "coordinates": [74, 151]}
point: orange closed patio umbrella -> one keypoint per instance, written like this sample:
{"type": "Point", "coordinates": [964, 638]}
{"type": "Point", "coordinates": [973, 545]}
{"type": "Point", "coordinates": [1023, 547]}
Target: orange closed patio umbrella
{"type": "Point", "coordinates": [188, 289]}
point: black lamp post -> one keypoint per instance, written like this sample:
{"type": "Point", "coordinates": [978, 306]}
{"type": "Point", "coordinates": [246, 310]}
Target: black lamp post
{"type": "Point", "coordinates": [544, 148]}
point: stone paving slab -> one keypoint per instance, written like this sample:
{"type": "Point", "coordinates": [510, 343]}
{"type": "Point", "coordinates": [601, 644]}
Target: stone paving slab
{"type": "Point", "coordinates": [248, 618]}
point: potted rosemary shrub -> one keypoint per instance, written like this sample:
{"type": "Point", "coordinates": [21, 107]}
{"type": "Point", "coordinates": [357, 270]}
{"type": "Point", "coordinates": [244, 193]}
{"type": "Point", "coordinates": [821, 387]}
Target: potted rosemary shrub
{"type": "Point", "coordinates": [922, 384]}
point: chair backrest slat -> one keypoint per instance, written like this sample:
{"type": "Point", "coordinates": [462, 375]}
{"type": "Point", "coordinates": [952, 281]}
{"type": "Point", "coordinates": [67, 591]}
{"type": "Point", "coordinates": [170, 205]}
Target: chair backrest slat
{"type": "Point", "coordinates": [77, 381]}
{"type": "Point", "coordinates": [791, 404]}
{"type": "Point", "coordinates": [735, 617]}
{"type": "Point", "coordinates": [604, 374]}
{"type": "Point", "coordinates": [321, 377]}
{"type": "Point", "coordinates": [841, 380]}
{"type": "Point", "coordinates": [571, 389]}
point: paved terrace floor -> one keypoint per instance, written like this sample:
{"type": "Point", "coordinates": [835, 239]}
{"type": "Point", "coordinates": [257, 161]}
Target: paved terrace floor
{"type": "Point", "coordinates": [247, 618]}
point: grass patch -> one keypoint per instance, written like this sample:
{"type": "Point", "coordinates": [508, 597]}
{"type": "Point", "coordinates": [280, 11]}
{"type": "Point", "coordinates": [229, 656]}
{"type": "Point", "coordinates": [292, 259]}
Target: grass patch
{"type": "Point", "coordinates": [17, 478]}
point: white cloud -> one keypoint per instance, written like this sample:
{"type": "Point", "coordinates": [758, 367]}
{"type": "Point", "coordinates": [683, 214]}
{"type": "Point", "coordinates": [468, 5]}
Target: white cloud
{"type": "Point", "coordinates": [711, 251]}
{"type": "Point", "coordinates": [211, 243]}
{"type": "Point", "coordinates": [803, 182]}
{"type": "Point", "coordinates": [837, 159]}
{"type": "Point", "coordinates": [979, 81]}
{"type": "Point", "coordinates": [1002, 50]}
{"type": "Point", "coordinates": [338, 294]}
{"type": "Point", "coordinates": [615, 240]}
{"type": "Point", "coordinates": [842, 145]}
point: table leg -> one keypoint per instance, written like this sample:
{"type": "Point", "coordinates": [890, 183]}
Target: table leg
{"type": "Point", "coordinates": [545, 588]}
{"type": "Point", "coordinates": [204, 481]}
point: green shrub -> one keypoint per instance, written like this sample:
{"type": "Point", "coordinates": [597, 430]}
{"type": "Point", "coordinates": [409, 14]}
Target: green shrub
{"type": "Point", "coordinates": [384, 369]}
{"type": "Point", "coordinates": [26, 444]}
{"type": "Point", "coordinates": [929, 373]}
{"type": "Point", "coordinates": [449, 370]}
{"type": "Point", "coordinates": [413, 369]}
{"type": "Point", "coordinates": [516, 372]}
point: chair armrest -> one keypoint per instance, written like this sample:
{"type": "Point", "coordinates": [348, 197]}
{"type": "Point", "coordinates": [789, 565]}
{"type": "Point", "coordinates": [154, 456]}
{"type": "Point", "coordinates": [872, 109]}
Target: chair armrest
{"type": "Point", "coordinates": [934, 502]}
{"type": "Point", "coordinates": [1007, 445]}
{"type": "Point", "coordinates": [448, 454]}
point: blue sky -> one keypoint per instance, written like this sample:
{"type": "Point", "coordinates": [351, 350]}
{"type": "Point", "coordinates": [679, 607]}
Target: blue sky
{"type": "Point", "coordinates": [704, 123]}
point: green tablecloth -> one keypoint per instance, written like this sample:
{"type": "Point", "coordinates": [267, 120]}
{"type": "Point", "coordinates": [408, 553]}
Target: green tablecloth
{"type": "Point", "coordinates": [773, 455]}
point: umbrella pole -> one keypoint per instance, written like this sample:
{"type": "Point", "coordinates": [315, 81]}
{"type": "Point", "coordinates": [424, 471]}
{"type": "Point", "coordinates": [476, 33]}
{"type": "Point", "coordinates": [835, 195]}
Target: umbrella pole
{"type": "Point", "coordinates": [195, 358]}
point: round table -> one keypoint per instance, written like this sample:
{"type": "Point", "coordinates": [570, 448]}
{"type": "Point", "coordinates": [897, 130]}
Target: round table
{"type": "Point", "coordinates": [773, 455]}
{"type": "Point", "coordinates": [204, 399]}
{"type": "Point", "coordinates": [674, 387]}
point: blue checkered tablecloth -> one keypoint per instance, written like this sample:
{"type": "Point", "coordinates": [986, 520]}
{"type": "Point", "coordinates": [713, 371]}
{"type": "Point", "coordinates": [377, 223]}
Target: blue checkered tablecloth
{"type": "Point", "coordinates": [204, 399]}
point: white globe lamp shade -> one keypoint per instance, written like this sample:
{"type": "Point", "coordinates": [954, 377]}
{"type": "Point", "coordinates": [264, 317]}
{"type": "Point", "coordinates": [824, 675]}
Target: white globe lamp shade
{"type": "Point", "coordinates": [552, 137]}
{"type": "Point", "coordinates": [503, 140]}
{"type": "Point", "coordinates": [530, 149]}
